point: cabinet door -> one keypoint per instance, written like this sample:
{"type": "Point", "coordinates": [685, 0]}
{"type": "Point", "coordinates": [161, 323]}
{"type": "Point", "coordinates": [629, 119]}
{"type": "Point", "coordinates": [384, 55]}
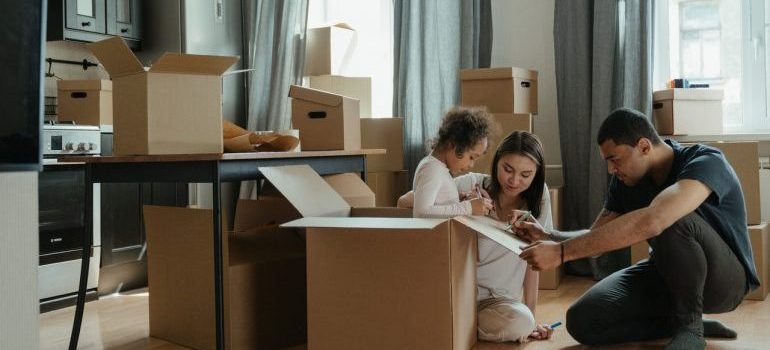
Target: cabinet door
{"type": "Point", "coordinates": [86, 15]}
{"type": "Point", "coordinates": [124, 18]}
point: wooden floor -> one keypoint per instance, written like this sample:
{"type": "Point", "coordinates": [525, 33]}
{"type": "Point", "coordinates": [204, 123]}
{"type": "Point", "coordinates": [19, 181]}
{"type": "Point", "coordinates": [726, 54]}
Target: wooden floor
{"type": "Point", "coordinates": [120, 322]}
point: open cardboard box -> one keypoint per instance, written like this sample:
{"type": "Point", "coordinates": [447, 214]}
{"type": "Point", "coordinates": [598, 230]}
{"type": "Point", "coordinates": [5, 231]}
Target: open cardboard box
{"type": "Point", "coordinates": [378, 282]}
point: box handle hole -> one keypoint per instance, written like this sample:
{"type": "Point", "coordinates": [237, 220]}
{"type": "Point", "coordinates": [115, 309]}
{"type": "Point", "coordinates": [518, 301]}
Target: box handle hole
{"type": "Point", "coordinates": [317, 114]}
{"type": "Point", "coordinates": [657, 105]}
{"type": "Point", "coordinates": [525, 84]}
{"type": "Point", "coordinates": [79, 94]}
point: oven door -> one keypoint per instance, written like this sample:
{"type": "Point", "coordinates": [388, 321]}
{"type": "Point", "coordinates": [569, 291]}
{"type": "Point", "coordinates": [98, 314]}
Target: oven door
{"type": "Point", "coordinates": [62, 212]}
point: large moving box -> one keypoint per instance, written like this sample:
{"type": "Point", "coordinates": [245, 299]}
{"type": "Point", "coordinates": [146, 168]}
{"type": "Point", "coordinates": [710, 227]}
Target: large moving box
{"type": "Point", "coordinates": [507, 123]}
{"type": "Point", "coordinates": [688, 111]}
{"type": "Point", "coordinates": [502, 90]}
{"type": "Point", "coordinates": [173, 108]}
{"type": "Point", "coordinates": [744, 158]}
{"type": "Point", "coordinates": [388, 186]}
{"type": "Point", "coordinates": [264, 277]}
{"type": "Point", "coordinates": [329, 49]}
{"type": "Point", "coordinates": [325, 121]}
{"type": "Point", "coordinates": [86, 102]}
{"type": "Point", "coordinates": [381, 282]}
{"type": "Point", "coordinates": [550, 279]}
{"type": "Point", "coordinates": [388, 134]}
{"type": "Point", "coordinates": [359, 88]}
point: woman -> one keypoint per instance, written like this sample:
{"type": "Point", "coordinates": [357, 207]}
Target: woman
{"type": "Point", "coordinates": [507, 286]}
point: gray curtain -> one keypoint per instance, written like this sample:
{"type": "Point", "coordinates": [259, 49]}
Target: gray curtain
{"type": "Point", "coordinates": [433, 40]}
{"type": "Point", "coordinates": [275, 51]}
{"type": "Point", "coordinates": [603, 54]}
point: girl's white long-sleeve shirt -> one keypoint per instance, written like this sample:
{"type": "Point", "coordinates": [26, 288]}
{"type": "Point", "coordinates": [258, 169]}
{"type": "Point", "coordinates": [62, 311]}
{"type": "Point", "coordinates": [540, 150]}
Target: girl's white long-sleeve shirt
{"type": "Point", "coordinates": [435, 192]}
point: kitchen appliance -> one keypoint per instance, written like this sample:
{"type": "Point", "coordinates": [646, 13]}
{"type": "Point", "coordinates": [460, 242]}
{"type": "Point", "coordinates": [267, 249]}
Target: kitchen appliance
{"type": "Point", "coordinates": [61, 190]}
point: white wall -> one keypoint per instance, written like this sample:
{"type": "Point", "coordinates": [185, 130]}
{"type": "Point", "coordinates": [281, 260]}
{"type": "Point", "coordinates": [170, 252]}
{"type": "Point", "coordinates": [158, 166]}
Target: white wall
{"type": "Point", "coordinates": [523, 37]}
{"type": "Point", "coordinates": [18, 261]}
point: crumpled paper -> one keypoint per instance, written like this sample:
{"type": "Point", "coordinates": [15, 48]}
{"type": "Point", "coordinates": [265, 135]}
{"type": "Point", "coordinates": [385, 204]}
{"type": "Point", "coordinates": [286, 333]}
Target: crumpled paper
{"type": "Point", "coordinates": [237, 140]}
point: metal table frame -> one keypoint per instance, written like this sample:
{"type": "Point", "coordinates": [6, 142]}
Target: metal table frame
{"type": "Point", "coordinates": [214, 171]}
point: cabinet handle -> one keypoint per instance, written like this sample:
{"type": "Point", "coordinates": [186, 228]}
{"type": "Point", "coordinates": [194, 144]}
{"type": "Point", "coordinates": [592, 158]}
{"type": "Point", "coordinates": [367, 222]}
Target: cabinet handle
{"type": "Point", "coordinates": [86, 24]}
{"type": "Point", "coordinates": [124, 30]}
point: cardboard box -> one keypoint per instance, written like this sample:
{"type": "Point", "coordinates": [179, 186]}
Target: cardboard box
{"type": "Point", "coordinates": [264, 280]}
{"type": "Point", "coordinates": [388, 186]}
{"type": "Point", "coordinates": [508, 123]}
{"type": "Point", "coordinates": [359, 88]}
{"type": "Point", "coordinates": [352, 189]}
{"type": "Point", "coordinates": [744, 158]}
{"type": "Point", "coordinates": [175, 107]}
{"type": "Point", "coordinates": [760, 245]}
{"type": "Point", "coordinates": [764, 194]}
{"type": "Point", "coordinates": [329, 49]}
{"type": "Point", "coordinates": [501, 90]}
{"type": "Point", "coordinates": [325, 121]}
{"type": "Point", "coordinates": [688, 111]}
{"type": "Point", "coordinates": [388, 134]}
{"type": "Point", "coordinates": [384, 283]}
{"type": "Point", "coordinates": [550, 279]}
{"type": "Point", "coordinates": [86, 102]}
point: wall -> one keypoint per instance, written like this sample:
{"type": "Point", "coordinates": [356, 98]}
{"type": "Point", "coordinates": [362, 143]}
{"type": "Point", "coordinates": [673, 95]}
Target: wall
{"type": "Point", "coordinates": [18, 261]}
{"type": "Point", "coordinates": [523, 37]}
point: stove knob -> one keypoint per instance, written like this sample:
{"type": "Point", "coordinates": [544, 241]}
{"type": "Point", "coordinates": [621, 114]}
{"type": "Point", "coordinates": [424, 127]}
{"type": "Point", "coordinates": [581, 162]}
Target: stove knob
{"type": "Point", "coordinates": [82, 146]}
{"type": "Point", "coordinates": [91, 146]}
{"type": "Point", "coordinates": [69, 146]}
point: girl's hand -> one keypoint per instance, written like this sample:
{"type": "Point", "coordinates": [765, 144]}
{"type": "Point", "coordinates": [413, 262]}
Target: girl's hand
{"type": "Point", "coordinates": [541, 332]}
{"type": "Point", "coordinates": [481, 206]}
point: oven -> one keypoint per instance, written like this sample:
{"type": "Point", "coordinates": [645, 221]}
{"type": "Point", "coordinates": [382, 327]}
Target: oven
{"type": "Point", "coordinates": [61, 191]}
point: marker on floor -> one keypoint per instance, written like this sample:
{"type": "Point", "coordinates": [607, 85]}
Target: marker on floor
{"type": "Point", "coordinates": [556, 324]}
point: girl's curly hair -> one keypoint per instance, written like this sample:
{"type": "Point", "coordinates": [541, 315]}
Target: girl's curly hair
{"type": "Point", "coordinates": [462, 128]}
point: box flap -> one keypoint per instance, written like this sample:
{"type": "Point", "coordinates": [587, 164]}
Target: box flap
{"type": "Point", "coordinates": [89, 84]}
{"type": "Point", "coordinates": [306, 191]}
{"type": "Point", "coordinates": [493, 229]}
{"type": "Point", "coordinates": [373, 223]}
{"type": "Point", "coordinates": [689, 94]}
{"type": "Point", "coordinates": [342, 25]}
{"type": "Point", "coordinates": [251, 214]}
{"type": "Point", "coordinates": [497, 73]}
{"type": "Point", "coordinates": [193, 64]}
{"type": "Point", "coordinates": [116, 57]}
{"type": "Point", "coordinates": [313, 95]}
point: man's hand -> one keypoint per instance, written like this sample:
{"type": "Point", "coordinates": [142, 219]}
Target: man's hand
{"type": "Point", "coordinates": [542, 255]}
{"type": "Point", "coordinates": [529, 230]}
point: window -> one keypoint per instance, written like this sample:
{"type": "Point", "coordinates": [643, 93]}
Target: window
{"type": "Point", "coordinates": [373, 53]}
{"type": "Point", "coordinates": [720, 43]}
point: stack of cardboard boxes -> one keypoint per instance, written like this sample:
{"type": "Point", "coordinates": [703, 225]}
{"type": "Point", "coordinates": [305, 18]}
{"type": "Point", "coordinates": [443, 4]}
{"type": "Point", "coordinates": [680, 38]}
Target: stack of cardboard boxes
{"type": "Point", "coordinates": [744, 158]}
{"type": "Point", "coordinates": [385, 175]}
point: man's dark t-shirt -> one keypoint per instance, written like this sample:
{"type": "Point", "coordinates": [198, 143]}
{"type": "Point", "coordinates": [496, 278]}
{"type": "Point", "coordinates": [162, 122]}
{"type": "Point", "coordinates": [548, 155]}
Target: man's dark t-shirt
{"type": "Point", "coordinates": [724, 209]}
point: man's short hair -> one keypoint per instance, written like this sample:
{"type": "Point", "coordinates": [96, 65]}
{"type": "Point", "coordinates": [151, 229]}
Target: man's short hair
{"type": "Point", "coordinates": [626, 126]}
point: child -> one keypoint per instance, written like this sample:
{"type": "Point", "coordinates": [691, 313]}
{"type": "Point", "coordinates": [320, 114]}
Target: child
{"type": "Point", "coordinates": [462, 138]}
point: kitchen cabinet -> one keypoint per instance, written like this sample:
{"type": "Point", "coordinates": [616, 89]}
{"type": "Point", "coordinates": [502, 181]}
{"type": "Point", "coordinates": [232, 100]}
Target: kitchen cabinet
{"type": "Point", "coordinates": [95, 20]}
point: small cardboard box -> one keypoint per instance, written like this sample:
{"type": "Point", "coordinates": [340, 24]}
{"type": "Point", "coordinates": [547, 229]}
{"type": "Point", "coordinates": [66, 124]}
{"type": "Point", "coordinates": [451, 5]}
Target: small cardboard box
{"type": "Point", "coordinates": [550, 279]}
{"type": "Point", "coordinates": [329, 49]}
{"type": "Point", "coordinates": [388, 134]}
{"type": "Point", "coordinates": [359, 88]}
{"type": "Point", "coordinates": [325, 121]}
{"type": "Point", "coordinates": [175, 107]}
{"type": "Point", "coordinates": [744, 158]}
{"type": "Point", "coordinates": [508, 123]}
{"type": "Point", "coordinates": [688, 111]}
{"type": "Point", "coordinates": [86, 102]}
{"type": "Point", "coordinates": [388, 186]}
{"type": "Point", "coordinates": [384, 283]}
{"type": "Point", "coordinates": [264, 279]}
{"type": "Point", "coordinates": [760, 246]}
{"type": "Point", "coordinates": [502, 90]}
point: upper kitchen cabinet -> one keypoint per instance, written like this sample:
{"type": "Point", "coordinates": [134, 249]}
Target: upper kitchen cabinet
{"type": "Point", "coordinates": [95, 20]}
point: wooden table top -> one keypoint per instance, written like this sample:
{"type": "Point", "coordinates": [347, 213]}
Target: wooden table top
{"type": "Point", "coordinates": [217, 156]}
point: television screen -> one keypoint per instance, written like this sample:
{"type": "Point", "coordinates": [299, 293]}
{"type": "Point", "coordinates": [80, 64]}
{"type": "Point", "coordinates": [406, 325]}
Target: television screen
{"type": "Point", "coordinates": [21, 84]}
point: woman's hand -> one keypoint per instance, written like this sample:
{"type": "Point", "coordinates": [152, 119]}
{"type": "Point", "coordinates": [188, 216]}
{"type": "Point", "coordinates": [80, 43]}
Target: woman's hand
{"type": "Point", "coordinates": [529, 229]}
{"type": "Point", "coordinates": [541, 332]}
{"type": "Point", "coordinates": [481, 206]}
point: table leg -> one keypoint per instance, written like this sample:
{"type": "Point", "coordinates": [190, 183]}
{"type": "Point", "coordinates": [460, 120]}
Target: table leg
{"type": "Point", "coordinates": [87, 241]}
{"type": "Point", "coordinates": [218, 263]}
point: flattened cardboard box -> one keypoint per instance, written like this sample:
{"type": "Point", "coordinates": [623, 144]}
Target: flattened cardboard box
{"type": "Point", "coordinates": [325, 121]}
{"type": "Point", "coordinates": [501, 90]}
{"type": "Point", "coordinates": [86, 102]}
{"type": "Point", "coordinates": [507, 123]}
{"type": "Point", "coordinates": [175, 107]}
{"type": "Point", "coordinates": [387, 133]}
{"type": "Point", "coordinates": [384, 283]}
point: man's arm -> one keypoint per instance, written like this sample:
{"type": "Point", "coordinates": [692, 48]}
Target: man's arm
{"type": "Point", "coordinates": [670, 205]}
{"type": "Point", "coordinates": [604, 217]}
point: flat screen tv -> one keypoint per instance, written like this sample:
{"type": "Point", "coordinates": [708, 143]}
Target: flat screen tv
{"type": "Point", "coordinates": [22, 47]}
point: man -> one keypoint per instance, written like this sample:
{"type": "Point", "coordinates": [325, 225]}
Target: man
{"type": "Point", "coordinates": [688, 204]}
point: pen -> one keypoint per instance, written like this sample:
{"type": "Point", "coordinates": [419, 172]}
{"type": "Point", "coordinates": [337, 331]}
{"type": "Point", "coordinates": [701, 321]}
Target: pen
{"type": "Point", "coordinates": [521, 218]}
{"type": "Point", "coordinates": [478, 191]}
{"type": "Point", "coordinates": [556, 324]}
